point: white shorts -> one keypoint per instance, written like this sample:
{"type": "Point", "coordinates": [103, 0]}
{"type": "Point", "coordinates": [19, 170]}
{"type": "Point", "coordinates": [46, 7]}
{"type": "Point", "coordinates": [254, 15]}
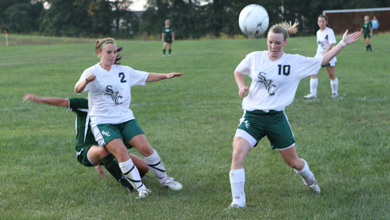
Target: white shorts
{"type": "Point", "coordinates": [332, 62]}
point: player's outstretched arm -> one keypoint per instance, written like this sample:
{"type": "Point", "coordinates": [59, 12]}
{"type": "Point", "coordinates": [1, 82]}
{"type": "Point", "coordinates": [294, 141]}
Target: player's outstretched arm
{"type": "Point", "coordinates": [48, 100]}
{"type": "Point", "coordinates": [347, 39]}
{"type": "Point", "coordinates": [160, 76]}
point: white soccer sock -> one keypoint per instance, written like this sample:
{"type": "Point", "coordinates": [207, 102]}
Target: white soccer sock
{"type": "Point", "coordinates": [237, 182]}
{"type": "Point", "coordinates": [132, 174]}
{"type": "Point", "coordinates": [156, 165]}
{"type": "Point", "coordinates": [306, 174]}
{"type": "Point", "coordinates": [334, 84]}
{"type": "Point", "coordinates": [313, 86]}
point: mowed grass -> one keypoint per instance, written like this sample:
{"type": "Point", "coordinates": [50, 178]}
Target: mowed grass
{"type": "Point", "coordinates": [191, 122]}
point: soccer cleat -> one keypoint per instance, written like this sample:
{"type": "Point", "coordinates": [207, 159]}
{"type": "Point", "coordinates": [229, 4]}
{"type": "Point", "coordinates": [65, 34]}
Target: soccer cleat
{"type": "Point", "coordinates": [310, 96]}
{"type": "Point", "coordinates": [334, 95]}
{"type": "Point", "coordinates": [314, 187]}
{"type": "Point", "coordinates": [142, 193]}
{"type": "Point", "coordinates": [169, 55]}
{"type": "Point", "coordinates": [163, 55]}
{"type": "Point", "coordinates": [171, 184]}
{"type": "Point", "coordinates": [234, 206]}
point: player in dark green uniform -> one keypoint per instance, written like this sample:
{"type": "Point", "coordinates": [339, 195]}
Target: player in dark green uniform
{"type": "Point", "coordinates": [367, 31]}
{"type": "Point", "coordinates": [168, 36]}
{"type": "Point", "coordinates": [88, 152]}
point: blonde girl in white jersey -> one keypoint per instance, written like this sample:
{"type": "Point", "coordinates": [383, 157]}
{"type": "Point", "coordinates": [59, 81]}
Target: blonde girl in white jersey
{"type": "Point", "coordinates": [326, 41]}
{"type": "Point", "coordinates": [112, 121]}
{"type": "Point", "coordinates": [275, 78]}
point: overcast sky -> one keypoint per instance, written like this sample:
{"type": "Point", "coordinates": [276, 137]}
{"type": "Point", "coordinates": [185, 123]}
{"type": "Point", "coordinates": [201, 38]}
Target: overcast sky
{"type": "Point", "coordinates": [138, 5]}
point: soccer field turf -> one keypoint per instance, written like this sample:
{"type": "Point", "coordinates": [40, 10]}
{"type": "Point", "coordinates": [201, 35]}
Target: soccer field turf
{"type": "Point", "coordinates": [191, 122]}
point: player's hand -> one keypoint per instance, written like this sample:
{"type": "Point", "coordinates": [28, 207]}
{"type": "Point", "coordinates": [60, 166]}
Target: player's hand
{"type": "Point", "coordinates": [351, 38]}
{"type": "Point", "coordinates": [100, 170]}
{"type": "Point", "coordinates": [172, 75]}
{"type": "Point", "coordinates": [242, 92]}
{"type": "Point", "coordinates": [28, 96]}
{"type": "Point", "coordinates": [90, 77]}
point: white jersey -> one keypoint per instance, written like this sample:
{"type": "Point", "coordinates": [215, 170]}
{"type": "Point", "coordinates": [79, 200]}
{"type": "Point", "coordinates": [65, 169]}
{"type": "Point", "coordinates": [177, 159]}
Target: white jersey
{"type": "Point", "coordinates": [324, 39]}
{"type": "Point", "coordinates": [274, 83]}
{"type": "Point", "coordinates": [109, 95]}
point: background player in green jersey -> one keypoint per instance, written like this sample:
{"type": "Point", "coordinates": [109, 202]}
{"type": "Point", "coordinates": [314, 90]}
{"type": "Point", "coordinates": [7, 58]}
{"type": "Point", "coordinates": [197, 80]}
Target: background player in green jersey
{"type": "Point", "coordinates": [168, 36]}
{"type": "Point", "coordinates": [367, 31]}
{"type": "Point", "coordinates": [88, 152]}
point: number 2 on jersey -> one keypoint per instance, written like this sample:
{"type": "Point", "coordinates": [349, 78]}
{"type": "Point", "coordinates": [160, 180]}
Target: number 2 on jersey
{"type": "Point", "coordinates": [123, 77]}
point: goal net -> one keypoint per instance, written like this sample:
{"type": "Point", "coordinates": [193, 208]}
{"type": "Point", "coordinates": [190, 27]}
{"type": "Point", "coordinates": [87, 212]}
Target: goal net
{"type": "Point", "coordinates": [353, 19]}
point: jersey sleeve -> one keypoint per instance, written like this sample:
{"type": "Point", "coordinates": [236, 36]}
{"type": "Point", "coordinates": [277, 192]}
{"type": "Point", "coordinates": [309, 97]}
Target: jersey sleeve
{"type": "Point", "coordinates": [332, 37]}
{"type": "Point", "coordinates": [82, 78]}
{"type": "Point", "coordinates": [245, 65]}
{"type": "Point", "coordinates": [78, 103]}
{"type": "Point", "coordinates": [308, 66]}
{"type": "Point", "coordinates": [137, 77]}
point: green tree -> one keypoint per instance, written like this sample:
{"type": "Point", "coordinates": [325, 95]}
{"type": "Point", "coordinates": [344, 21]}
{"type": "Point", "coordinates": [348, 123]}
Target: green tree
{"type": "Point", "coordinates": [21, 16]}
{"type": "Point", "coordinates": [77, 18]}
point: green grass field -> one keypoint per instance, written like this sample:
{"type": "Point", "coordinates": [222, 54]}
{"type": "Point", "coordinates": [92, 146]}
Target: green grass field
{"type": "Point", "coordinates": [191, 121]}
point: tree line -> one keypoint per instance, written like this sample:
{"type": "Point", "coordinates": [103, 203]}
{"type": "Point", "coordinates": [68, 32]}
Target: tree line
{"type": "Point", "coordinates": [190, 18]}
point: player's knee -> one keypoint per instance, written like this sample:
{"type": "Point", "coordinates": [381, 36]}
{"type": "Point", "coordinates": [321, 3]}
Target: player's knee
{"type": "Point", "coordinates": [293, 164]}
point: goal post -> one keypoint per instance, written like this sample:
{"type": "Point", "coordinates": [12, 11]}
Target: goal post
{"type": "Point", "coordinates": [352, 19]}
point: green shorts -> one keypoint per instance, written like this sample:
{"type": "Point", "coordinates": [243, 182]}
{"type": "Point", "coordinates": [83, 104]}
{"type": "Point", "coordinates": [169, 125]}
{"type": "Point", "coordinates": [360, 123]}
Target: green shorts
{"type": "Point", "coordinates": [105, 133]}
{"type": "Point", "coordinates": [82, 154]}
{"type": "Point", "coordinates": [273, 124]}
{"type": "Point", "coordinates": [367, 35]}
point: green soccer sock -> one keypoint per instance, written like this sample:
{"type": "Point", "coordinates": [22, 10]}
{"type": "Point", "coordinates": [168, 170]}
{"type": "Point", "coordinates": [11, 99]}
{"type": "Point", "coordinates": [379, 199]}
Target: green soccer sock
{"type": "Point", "coordinates": [163, 51]}
{"type": "Point", "coordinates": [112, 166]}
{"type": "Point", "coordinates": [170, 51]}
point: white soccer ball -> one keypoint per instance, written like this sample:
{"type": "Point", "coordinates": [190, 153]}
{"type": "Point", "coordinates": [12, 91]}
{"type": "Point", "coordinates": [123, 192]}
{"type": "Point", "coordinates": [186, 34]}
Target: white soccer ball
{"type": "Point", "coordinates": [253, 20]}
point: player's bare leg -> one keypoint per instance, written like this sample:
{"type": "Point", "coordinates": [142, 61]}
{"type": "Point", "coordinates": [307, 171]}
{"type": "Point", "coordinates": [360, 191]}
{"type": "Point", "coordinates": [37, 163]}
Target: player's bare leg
{"type": "Point", "coordinates": [301, 167]}
{"type": "Point", "coordinates": [241, 148]}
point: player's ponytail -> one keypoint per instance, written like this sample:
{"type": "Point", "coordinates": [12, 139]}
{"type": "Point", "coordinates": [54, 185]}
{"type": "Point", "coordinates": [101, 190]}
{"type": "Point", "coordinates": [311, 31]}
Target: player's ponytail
{"type": "Point", "coordinates": [285, 28]}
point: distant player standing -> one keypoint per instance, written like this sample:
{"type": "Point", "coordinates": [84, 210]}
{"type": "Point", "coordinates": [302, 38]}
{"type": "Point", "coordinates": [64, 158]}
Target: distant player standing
{"type": "Point", "coordinates": [168, 36]}
{"type": "Point", "coordinates": [326, 41]}
{"type": "Point", "coordinates": [367, 31]}
{"type": "Point", "coordinates": [275, 77]}
{"type": "Point", "coordinates": [375, 25]}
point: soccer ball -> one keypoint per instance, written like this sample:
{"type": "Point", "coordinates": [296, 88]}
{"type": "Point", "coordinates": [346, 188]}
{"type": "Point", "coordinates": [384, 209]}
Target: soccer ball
{"type": "Point", "coordinates": [253, 20]}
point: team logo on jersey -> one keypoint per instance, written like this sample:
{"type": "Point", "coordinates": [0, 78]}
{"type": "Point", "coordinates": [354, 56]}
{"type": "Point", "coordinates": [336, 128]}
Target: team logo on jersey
{"type": "Point", "coordinates": [267, 83]}
{"type": "Point", "coordinates": [114, 95]}
{"type": "Point", "coordinates": [106, 133]}
{"type": "Point", "coordinates": [247, 125]}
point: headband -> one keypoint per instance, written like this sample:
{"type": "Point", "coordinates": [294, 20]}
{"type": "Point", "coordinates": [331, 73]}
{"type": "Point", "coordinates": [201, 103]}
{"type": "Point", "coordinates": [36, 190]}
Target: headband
{"type": "Point", "coordinates": [109, 41]}
{"type": "Point", "coordinates": [284, 30]}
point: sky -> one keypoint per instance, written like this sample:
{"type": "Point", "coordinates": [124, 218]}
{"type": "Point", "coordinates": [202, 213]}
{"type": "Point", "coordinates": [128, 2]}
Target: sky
{"type": "Point", "coordinates": [138, 5]}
